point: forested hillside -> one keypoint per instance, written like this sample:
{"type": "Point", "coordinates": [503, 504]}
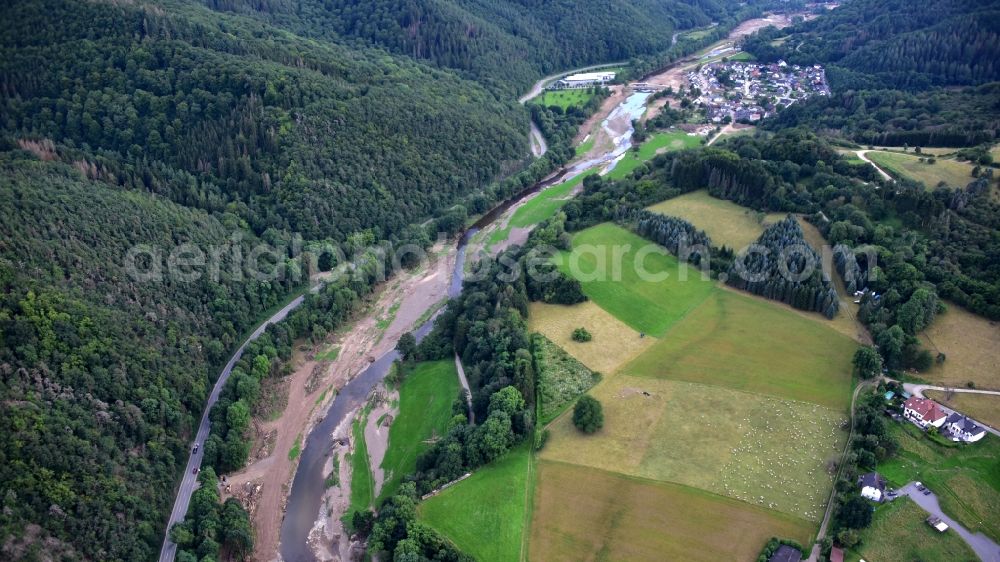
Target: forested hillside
{"type": "Point", "coordinates": [102, 376]}
{"type": "Point", "coordinates": [505, 44]}
{"type": "Point", "coordinates": [219, 113]}
{"type": "Point", "coordinates": [893, 66]}
{"type": "Point", "coordinates": [163, 123]}
{"type": "Point", "coordinates": [901, 44]}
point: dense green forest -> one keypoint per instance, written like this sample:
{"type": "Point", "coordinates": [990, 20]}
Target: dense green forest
{"type": "Point", "coordinates": [227, 126]}
{"type": "Point", "coordinates": [900, 44]}
{"type": "Point", "coordinates": [894, 67]}
{"type": "Point", "coordinates": [226, 114]}
{"type": "Point", "coordinates": [504, 44]}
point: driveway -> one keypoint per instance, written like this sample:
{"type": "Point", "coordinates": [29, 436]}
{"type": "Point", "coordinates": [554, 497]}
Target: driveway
{"type": "Point", "coordinates": [985, 547]}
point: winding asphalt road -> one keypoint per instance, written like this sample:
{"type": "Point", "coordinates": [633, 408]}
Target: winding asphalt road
{"type": "Point", "coordinates": [985, 548]}
{"type": "Point", "coordinates": [189, 482]}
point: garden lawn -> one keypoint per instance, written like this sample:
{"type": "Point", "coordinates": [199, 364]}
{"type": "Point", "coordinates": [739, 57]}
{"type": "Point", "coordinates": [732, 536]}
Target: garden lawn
{"type": "Point", "coordinates": [763, 450]}
{"type": "Point", "coordinates": [965, 478]}
{"type": "Point", "coordinates": [561, 378]}
{"type": "Point", "coordinates": [655, 144]}
{"type": "Point", "coordinates": [954, 173]}
{"type": "Point", "coordinates": [971, 345]}
{"type": "Point", "coordinates": [725, 222]}
{"type": "Point", "coordinates": [587, 514]}
{"type": "Point", "coordinates": [734, 341]}
{"type": "Point", "coordinates": [485, 515]}
{"type": "Point", "coordinates": [647, 305]}
{"type": "Point", "coordinates": [900, 533]}
{"type": "Point", "coordinates": [614, 343]}
{"type": "Point", "coordinates": [425, 399]}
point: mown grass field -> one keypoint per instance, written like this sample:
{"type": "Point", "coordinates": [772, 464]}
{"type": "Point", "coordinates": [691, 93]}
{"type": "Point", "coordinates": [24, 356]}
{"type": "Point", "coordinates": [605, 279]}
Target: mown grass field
{"type": "Point", "coordinates": [766, 451]}
{"type": "Point", "coordinates": [563, 98]}
{"type": "Point", "coordinates": [899, 533]}
{"type": "Point", "coordinates": [725, 222]}
{"type": "Point", "coordinates": [586, 514]}
{"type": "Point", "coordinates": [965, 478]}
{"type": "Point", "coordinates": [983, 408]}
{"type": "Point", "coordinates": [485, 515]}
{"type": "Point", "coordinates": [425, 398]}
{"type": "Point", "coordinates": [954, 173]}
{"type": "Point", "coordinates": [647, 305]}
{"type": "Point", "coordinates": [972, 346]}
{"type": "Point", "coordinates": [614, 343]}
{"type": "Point", "coordinates": [560, 378]}
{"type": "Point", "coordinates": [737, 342]}
{"type": "Point", "coordinates": [655, 144]}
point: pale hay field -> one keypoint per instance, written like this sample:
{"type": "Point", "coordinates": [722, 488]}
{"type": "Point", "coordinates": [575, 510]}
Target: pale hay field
{"type": "Point", "coordinates": [614, 343]}
{"type": "Point", "coordinates": [766, 451]}
{"type": "Point", "coordinates": [971, 344]}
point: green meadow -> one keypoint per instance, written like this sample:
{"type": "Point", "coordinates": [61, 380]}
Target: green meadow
{"type": "Point", "coordinates": [486, 514]}
{"type": "Point", "coordinates": [965, 478]}
{"type": "Point", "coordinates": [738, 342]}
{"type": "Point", "coordinates": [564, 98]}
{"type": "Point", "coordinates": [425, 399]}
{"type": "Point", "coordinates": [655, 144]}
{"type": "Point", "coordinates": [650, 306]}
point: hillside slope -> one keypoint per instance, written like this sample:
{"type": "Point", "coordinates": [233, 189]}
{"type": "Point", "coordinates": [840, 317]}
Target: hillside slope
{"type": "Point", "coordinates": [155, 124]}
{"type": "Point", "coordinates": [505, 44]}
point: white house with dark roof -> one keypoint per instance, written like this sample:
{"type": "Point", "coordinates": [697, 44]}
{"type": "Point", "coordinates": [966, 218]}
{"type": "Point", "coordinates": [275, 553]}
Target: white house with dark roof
{"type": "Point", "coordinates": [964, 429]}
{"type": "Point", "coordinates": [872, 486]}
{"type": "Point", "coordinates": [924, 412]}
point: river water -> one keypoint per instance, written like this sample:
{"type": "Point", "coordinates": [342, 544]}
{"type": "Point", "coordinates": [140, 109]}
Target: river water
{"type": "Point", "coordinates": [306, 498]}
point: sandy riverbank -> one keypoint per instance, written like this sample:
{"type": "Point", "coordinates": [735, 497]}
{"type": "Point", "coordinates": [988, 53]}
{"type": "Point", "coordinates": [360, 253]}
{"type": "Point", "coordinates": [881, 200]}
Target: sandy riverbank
{"type": "Point", "coordinates": [401, 302]}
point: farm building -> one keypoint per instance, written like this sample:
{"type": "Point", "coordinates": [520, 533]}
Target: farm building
{"type": "Point", "coordinates": [872, 486]}
{"type": "Point", "coordinates": [836, 555]}
{"type": "Point", "coordinates": [924, 412]}
{"type": "Point", "coordinates": [964, 429]}
{"type": "Point", "coordinates": [785, 553]}
{"type": "Point", "coordinates": [585, 79]}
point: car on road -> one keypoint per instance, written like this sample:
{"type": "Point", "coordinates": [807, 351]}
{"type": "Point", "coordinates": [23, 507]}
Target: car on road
{"type": "Point", "coordinates": [195, 451]}
{"type": "Point", "coordinates": [195, 470]}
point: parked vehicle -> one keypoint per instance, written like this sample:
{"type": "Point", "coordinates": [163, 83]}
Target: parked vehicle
{"type": "Point", "coordinates": [927, 492]}
{"type": "Point", "coordinates": [919, 486]}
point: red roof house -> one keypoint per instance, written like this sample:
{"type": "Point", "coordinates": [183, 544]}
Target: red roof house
{"type": "Point", "coordinates": [924, 412]}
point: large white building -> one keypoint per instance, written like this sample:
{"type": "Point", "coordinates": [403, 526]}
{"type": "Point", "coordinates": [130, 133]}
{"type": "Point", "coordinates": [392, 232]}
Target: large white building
{"type": "Point", "coordinates": [585, 79]}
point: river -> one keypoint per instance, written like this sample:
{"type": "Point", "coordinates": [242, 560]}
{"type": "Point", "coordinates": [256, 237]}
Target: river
{"type": "Point", "coordinates": [306, 498]}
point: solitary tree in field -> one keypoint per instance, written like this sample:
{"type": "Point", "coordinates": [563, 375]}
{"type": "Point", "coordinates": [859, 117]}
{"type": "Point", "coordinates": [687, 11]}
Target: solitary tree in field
{"type": "Point", "coordinates": [588, 416]}
{"type": "Point", "coordinates": [867, 362]}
